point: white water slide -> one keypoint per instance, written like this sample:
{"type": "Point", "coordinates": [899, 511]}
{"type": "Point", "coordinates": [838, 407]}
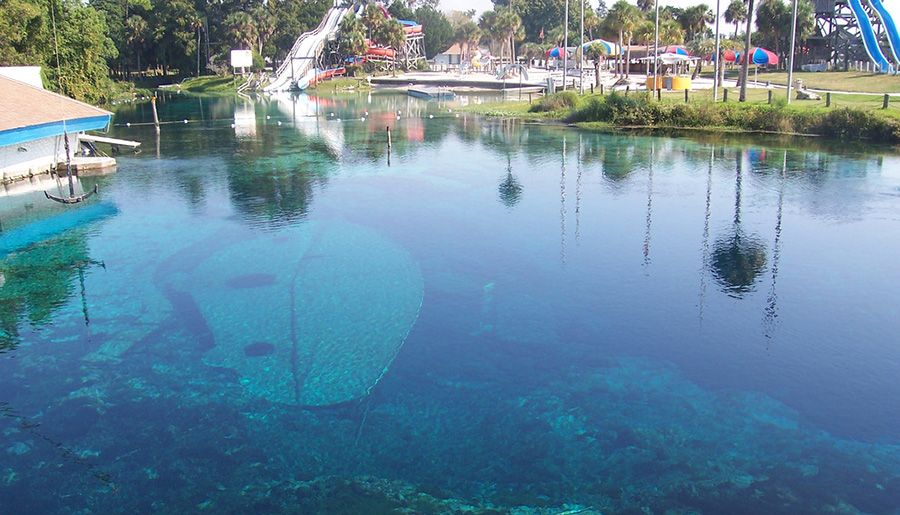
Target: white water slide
{"type": "Point", "coordinates": [302, 57]}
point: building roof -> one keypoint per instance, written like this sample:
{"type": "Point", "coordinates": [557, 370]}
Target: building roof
{"type": "Point", "coordinates": [28, 113]}
{"type": "Point", "coordinates": [454, 49]}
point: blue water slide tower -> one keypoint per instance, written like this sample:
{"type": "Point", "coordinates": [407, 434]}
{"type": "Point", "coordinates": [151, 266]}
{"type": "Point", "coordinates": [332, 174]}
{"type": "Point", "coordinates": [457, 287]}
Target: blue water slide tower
{"type": "Point", "coordinates": [852, 33]}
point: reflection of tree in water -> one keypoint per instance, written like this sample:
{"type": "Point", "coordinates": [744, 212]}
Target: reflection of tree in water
{"type": "Point", "coordinates": [37, 281]}
{"type": "Point", "coordinates": [278, 190]}
{"type": "Point", "coordinates": [738, 259]}
{"type": "Point", "coordinates": [510, 188]}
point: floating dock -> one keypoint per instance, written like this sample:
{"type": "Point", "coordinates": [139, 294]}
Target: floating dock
{"type": "Point", "coordinates": [431, 93]}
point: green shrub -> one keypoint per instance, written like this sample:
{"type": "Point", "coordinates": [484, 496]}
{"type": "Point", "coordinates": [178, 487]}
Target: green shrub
{"type": "Point", "coordinates": [556, 101]}
{"type": "Point", "coordinates": [353, 70]}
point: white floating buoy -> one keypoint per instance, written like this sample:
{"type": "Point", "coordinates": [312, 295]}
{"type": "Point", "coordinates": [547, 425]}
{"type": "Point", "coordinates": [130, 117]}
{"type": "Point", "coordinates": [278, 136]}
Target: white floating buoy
{"type": "Point", "coordinates": [232, 125]}
{"type": "Point", "coordinates": [449, 110]}
{"type": "Point", "coordinates": [330, 114]}
{"type": "Point", "coordinates": [431, 116]}
{"type": "Point", "coordinates": [128, 124]}
{"type": "Point", "coordinates": [399, 112]}
{"type": "Point", "coordinates": [339, 119]}
{"type": "Point", "coordinates": [268, 117]}
{"type": "Point", "coordinates": [185, 120]}
{"type": "Point", "coordinates": [457, 115]}
{"type": "Point", "coordinates": [398, 116]}
{"type": "Point", "coordinates": [279, 122]}
{"type": "Point", "coordinates": [366, 113]}
{"type": "Point", "coordinates": [362, 119]}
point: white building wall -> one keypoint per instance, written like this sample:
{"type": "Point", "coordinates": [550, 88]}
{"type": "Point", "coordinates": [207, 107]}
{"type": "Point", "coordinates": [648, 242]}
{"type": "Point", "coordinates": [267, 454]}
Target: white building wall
{"type": "Point", "coordinates": [33, 157]}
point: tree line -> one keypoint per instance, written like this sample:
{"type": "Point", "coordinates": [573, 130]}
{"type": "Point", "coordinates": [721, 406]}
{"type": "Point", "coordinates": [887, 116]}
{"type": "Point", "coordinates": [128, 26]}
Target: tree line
{"type": "Point", "coordinates": [118, 39]}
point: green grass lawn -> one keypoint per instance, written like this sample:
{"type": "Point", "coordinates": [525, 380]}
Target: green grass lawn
{"type": "Point", "coordinates": [209, 84]}
{"type": "Point", "coordinates": [861, 82]}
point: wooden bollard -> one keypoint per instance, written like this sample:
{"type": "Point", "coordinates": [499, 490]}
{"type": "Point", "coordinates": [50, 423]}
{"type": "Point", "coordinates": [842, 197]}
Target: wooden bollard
{"type": "Point", "coordinates": [592, 89]}
{"type": "Point", "coordinates": [686, 95]}
{"type": "Point", "coordinates": [389, 137]}
{"type": "Point", "coordinates": [601, 89]}
{"type": "Point", "coordinates": [725, 95]}
{"type": "Point", "coordinates": [627, 89]}
{"type": "Point", "coordinates": [887, 99]}
{"type": "Point", "coordinates": [770, 97]}
{"type": "Point", "coordinates": [828, 99]}
{"type": "Point", "coordinates": [155, 116]}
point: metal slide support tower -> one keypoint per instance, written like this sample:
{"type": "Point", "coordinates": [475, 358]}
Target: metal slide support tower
{"type": "Point", "coordinates": [836, 37]}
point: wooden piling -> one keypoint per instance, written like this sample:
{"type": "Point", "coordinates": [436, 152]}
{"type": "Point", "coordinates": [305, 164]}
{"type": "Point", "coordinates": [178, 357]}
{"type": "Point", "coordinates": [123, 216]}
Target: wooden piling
{"type": "Point", "coordinates": [155, 116]}
{"type": "Point", "coordinates": [887, 99]}
{"type": "Point", "coordinates": [389, 137]}
{"type": "Point", "coordinates": [828, 99]}
{"type": "Point", "coordinates": [686, 95]}
{"type": "Point", "coordinates": [724, 95]}
{"type": "Point", "coordinates": [770, 97]}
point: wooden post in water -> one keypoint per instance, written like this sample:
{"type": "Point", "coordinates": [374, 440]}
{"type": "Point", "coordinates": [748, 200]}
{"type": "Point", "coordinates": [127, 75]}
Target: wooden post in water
{"type": "Point", "coordinates": [887, 99]}
{"type": "Point", "coordinates": [828, 99]}
{"type": "Point", "coordinates": [389, 137]}
{"type": "Point", "coordinates": [155, 116]}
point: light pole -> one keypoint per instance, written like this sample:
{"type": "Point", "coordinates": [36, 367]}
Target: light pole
{"type": "Point", "coordinates": [718, 55]}
{"type": "Point", "coordinates": [791, 57]}
{"type": "Point", "coordinates": [656, 50]}
{"type": "Point", "coordinates": [565, 49]}
{"type": "Point", "coordinates": [581, 62]}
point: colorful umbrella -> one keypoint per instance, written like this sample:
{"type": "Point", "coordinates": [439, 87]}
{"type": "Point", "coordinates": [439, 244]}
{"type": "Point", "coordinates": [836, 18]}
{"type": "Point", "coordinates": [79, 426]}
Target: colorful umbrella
{"type": "Point", "coordinates": [611, 48]}
{"type": "Point", "coordinates": [555, 52]}
{"type": "Point", "coordinates": [761, 56]}
{"type": "Point", "coordinates": [727, 55]}
{"type": "Point", "coordinates": [680, 50]}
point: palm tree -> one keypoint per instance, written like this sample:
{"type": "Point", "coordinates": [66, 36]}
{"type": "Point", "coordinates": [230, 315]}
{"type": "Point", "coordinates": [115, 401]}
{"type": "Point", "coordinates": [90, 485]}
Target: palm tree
{"type": "Point", "coordinates": [702, 48]}
{"type": "Point", "coordinates": [372, 18]}
{"type": "Point", "coordinates": [391, 33]}
{"type": "Point", "coordinates": [694, 19]}
{"type": "Point", "coordinates": [241, 29]}
{"type": "Point", "coordinates": [670, 33]}
{"type": "Point", "coordinates": [625, 17]}
{"type": "Point", "coordinates": [512, 24]}
{"type": "Point", "coordinates": [136, 36]}
{"type": "Point", "coordinates": [736, 13]}
{"type": "Point", "coordinates": [197, 24]}
{"type": "Point", "coordinates": [467, 34]}
{"type": "Point", "coordinates": [745, 66]}
{"type": "Point", "coordinates": [351, 39]}
{"type": "Point", "coordinates": [596, 52]}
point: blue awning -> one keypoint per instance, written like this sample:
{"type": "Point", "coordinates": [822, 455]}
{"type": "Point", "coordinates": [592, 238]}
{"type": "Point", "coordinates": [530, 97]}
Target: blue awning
{"type": "Point", "coordinates": [47, 130]}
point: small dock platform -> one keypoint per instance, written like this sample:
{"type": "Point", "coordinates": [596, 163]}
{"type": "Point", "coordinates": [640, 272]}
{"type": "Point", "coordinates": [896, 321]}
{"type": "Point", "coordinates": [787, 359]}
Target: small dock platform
{"type": "Point", "coordinates": [428, 93]}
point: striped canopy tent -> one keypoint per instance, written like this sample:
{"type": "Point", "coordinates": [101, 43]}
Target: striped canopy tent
{"type": "Point", "coordinates": [612, 49]}
{"type": "Point", "coordinates": [760, 55]}
{"type": "Point", "coordinates": [676, 49]}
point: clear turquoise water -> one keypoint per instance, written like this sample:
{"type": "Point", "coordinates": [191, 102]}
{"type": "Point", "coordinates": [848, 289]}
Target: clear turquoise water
{"type": "Point", "coordinates": [267, 318]}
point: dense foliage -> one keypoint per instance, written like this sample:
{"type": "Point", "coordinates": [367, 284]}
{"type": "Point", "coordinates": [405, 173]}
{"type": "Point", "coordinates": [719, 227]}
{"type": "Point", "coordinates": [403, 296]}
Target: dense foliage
{"type": "Point", "coordinates": [640, 110]}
